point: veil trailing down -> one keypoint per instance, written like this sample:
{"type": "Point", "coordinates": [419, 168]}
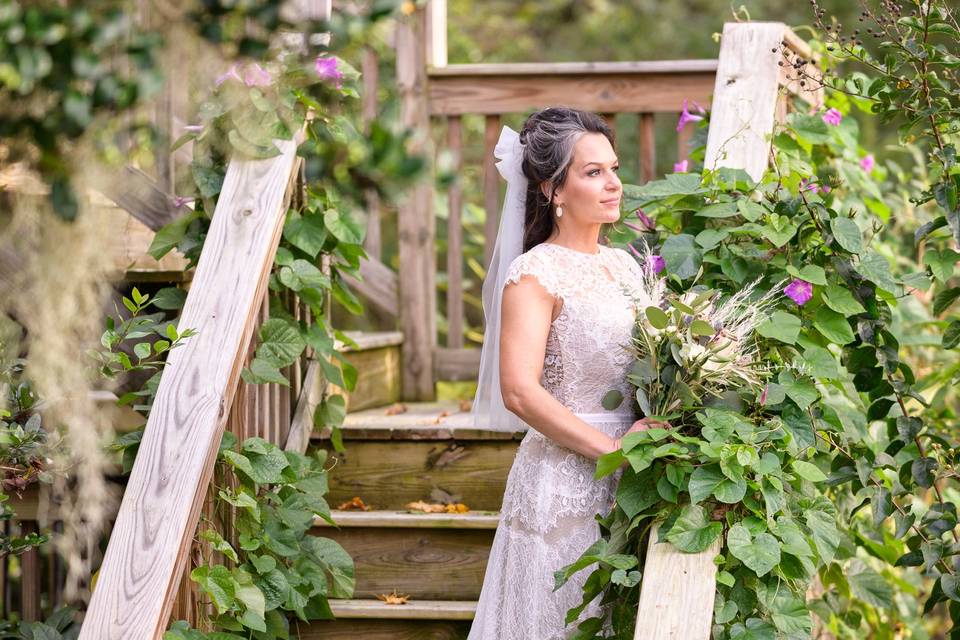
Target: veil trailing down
{"type": "Point", "coordinates": [488, 409]}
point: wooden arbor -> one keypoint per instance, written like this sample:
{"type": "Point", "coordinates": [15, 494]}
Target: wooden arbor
{"type": "Point", "coordinates": [432, 90]}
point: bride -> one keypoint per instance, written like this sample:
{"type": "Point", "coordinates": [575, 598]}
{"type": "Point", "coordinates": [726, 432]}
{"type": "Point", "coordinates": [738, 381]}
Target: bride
{"type": "Point", "coordinates": [559, 309]}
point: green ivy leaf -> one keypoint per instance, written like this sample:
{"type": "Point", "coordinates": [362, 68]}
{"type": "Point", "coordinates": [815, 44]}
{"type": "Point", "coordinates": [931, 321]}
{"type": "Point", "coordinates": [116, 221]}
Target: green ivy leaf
{"type": "Point", "coordinates": [808, 471]}
{"type": "Point", "coordinates": [848, 234]}
{"type": "Point", "coordinates": [306, 233]}
{"type": "Point", "coordinates": [759, 554]}
{"type": "Point", "coordinates": [611, 400]}
{"type": "Point", "coordinates": [841, 300]}
{"type": "Point", "coordinates": [833, 326]}
{"type": "Point", "coordinates": [280, 342]}
{"type": "Point", "coordinates": [781, 326]}
{"type": "Point", "coordinates": [875, 267]}
{"type": "Point", "coordinates": [703, 481]}
{"type": "Point", "coordinates": [942, 263]}
{"type": "Point", "coordinates": [681, 255]}
{"type": "Point", "coordinates": [343, 227]}
{"type": "Point", "coordinates": [692, 532]}
{"type": "Point", "coordinates": [869, 586]}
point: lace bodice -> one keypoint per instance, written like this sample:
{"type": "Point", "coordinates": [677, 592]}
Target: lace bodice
{"type": "Point", "coordinates": [586, 354]}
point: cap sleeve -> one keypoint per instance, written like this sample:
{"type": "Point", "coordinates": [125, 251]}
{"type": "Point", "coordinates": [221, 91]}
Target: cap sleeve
{"type": "Point", "coordinates": [534, 263]}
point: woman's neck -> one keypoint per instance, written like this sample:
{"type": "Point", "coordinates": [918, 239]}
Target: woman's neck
{"type": "Point", "coordinates": [584, 239]}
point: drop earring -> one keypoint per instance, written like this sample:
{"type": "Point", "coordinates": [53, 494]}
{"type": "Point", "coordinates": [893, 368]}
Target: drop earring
{"type": "Point", "coordinates": [559, 211]}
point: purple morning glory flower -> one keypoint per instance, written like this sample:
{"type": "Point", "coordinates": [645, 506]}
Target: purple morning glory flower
{"type": "Point", "coordinates": [809, 184]}
{"type": "Point", "coordinates": [832, 117]}
{"type": "Point", "coordinates": [686, 116]}
{"type": "Point", "coordinates": [680, 167]}
{"type": "Point", "coordinates": [256, 76]}
{"type": "Point", "coordinates": [327, 69]}
{"type": "Point", "coordinates": [645, 219]}
{"type": "Point", "coordinates": [232, 72]}
{"type": "Point", "coordinates": [866, 162]}
{"type": "Point", "coordinates": [656, 263]}
{"type": "Point", "coordinates": [799, 291]}
{"type": "Point", "coordinates": [180, 201]}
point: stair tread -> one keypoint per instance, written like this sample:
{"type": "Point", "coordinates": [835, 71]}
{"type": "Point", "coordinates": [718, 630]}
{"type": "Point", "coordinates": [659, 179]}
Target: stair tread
{"type": "Point", "coordinates": [414, 609]}
{"type": "Point", "coordinates": [412, 519]}
{"type": "Point", "coordinates": [420, 421]}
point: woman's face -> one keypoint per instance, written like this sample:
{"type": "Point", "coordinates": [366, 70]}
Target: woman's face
{"type": "Point", "coordinates": [592, 191]}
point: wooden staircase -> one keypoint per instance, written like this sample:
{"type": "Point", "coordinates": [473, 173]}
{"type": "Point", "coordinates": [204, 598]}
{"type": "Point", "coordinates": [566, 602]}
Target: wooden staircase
{"type": "Point", "coordinates": [437, 559]}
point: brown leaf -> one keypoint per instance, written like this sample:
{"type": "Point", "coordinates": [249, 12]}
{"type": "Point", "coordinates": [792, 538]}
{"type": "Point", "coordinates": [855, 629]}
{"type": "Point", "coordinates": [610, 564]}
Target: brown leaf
{"type": "Point", "coordinates": [434, 507]}
{"type": "Point", "coordinates": [458, 507]}
{"type": "Point", "coordinates": [465, 405]}
{"type": "Point", "coordinates": [395, 409]}
{"type": "Point", "coordinates": [355, 504]}
{"type": "Point", "coordinates": [394, 598]}
{"type": "Point", "coordinates": [439, 417]}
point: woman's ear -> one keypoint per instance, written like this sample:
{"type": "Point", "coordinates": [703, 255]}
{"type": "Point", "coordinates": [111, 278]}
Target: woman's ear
{"type": "Point", "coordinates": [545, 188]}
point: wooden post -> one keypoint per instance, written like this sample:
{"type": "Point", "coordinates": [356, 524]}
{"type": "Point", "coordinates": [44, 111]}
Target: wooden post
{"type": "Point", "coordinates": [676, 596]}
{"type": "Point", "coordinates": [417, 227]}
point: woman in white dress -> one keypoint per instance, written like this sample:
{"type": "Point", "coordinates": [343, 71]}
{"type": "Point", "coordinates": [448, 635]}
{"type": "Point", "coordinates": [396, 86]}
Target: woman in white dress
{"type": "Point", "coordinates": [559, 313]}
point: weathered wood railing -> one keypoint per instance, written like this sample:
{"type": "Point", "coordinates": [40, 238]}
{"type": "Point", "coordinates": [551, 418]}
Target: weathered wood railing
{"type": "Point", "coordinates": [677, 593]}
{"type": "Point", "coordinates": [199, 396]}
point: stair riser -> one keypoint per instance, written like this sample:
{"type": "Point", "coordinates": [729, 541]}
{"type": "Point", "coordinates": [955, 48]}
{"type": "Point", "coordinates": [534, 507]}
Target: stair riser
{"type": "Point", "coordinates": [426, 564]}
{"type": "Point", "coordinates": [389, 474]}
{"type": "Point", "coordinates": [385, 630]}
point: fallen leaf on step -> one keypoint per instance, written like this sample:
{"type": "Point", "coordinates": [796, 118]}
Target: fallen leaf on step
{"type": "Point", "coordinates": [395, 409]}
{"type": "Point", "coordinates": [394, 598]}
{"type": "Point", "coordinates": [440, 416]}
{"type": "Point", "coordinates": [465, 405]}
{"type": "Point", "coordinates": [355, 504]}
{"type": "Point", "coordinates": [435, 507]}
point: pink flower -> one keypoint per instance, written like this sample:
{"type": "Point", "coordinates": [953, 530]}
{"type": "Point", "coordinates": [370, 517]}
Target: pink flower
{"type": "Point", "coordinates": [832, 117]}
{"type": "Point", "coordinates": [645, 219]}
{"type": "Point", "coordinates": [763, 396]}
{"type": "Point", "coordinates": [180, 201]}
{"type": "Point", "coordinates": [256, 76]}
{"type": "Point", "coordinates": [809, 184]}
{"type": "Point", "coordinates": [232, 72]}
{"type": "Point", "coordinates": [193, 128]}
{"type": "Point", "coordinates": [656, 263]}
{"type": "Point", "coordinates": [686, 116]}
{"type": "Point", "coordinates": [799, 291]}
{"type": "Point", "coordinates": [866, 162]}
{"type": "Point", "coordinates": [680, 167]}
{"type": "Point", "coordinates": [327, 70]}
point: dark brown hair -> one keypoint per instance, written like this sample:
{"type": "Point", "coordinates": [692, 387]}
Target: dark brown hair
{"type": "Point", "coordinates": [549, 136]}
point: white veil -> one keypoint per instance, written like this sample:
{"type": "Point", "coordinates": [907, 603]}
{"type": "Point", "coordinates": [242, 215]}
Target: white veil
{"type": "Point", "coordinates": [488, 410]}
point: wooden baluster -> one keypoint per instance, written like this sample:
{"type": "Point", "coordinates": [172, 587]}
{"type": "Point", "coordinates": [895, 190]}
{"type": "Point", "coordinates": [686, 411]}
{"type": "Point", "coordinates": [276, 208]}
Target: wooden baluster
{"type": "Point", "coordinates": [372, 242]}
{"type": "Point", "coordinates": [29, 576]}
{"type": "Point", "coordinates": [648, 148]}
{"type": "Point", "coordinates": [491, 186]}
{"type": "Point", "coordinates": [455, 238]}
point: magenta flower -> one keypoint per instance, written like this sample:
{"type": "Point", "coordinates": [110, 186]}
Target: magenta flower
{"type": "Point", "coordinates": [635, 227]}
{"type": "Point", "coordinates": [799, 291]}
{"type": "Point", "coordinates": [645, 219]}
{"type": "Point", "coordinates": [680, 167]}
{"type": "Point", "coordinates": [866, 162]}
{"type": "Point", "coordinates": [256, 76]}
{"type": "Point", "coordinates": [686, 116]}
{"type": "Point", "coordinates": [809, 184]}
{"type": "Point", "coordinates": [327, 70]}
{"type": "Point", "coordinates": [656, 264]}
{"type": "Point", "coordinates": [180, 201]}
{"type": "Point", "coordinates": [193, 128]}
{"type": "Point", "coordinates": [763, 396]}
{"type": "Point", "coordinates": [232, 72]}
{"type": "Point", "coordinates": [832, 117]}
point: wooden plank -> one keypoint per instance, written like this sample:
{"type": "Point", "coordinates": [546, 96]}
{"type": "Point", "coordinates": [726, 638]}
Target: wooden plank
{"type": "Point", "coordinates": [369, 340]}
{"type": "Point", "coordinates": [30, 576]}
{"type": "Point", "coordinates": [378, 285]}
{"type": "Point", "coordinates": [392, 519]}
{"type": "Point", "coordinates": [637, 67]}
{"type": "Point", "coordinates": [413, 610]}
{"type": "Point", "coordinates": [648, 148]}
{"type": "Point", "coordinates": [457, 364]}
{"type": "Point", "coordinates": [378, 378]}
{"type": "Point", "coordinates": [140, 196]}
{"type": "Point", "coordinates": [426, 563]}
{"type": "Point", "coordinates": [301, 426]}
{"type": "Point", "coordinates": [415, 220]}
{"type": "Point", "coordinates": [744, 97]}
{"type": "Point", "coordinates": [384, 630]}
{"type": "Point", "coordinates": [389, 474]}
{"type": "Point", "coordinates": [676, 594]}
{"type": "Point", "coordinates": [436, 40]}
{"type": "Point", "coordinates": [158, 517]}
{"type": "Point", "coordinates": [455, 237]}
{"type": "Point", "coordinates": [491, 186]}
{"type": "Point", "coordinates": [418, 421]}
{"type": "Point", "coordinates": [370, 73]}
{"type": "Point", "coordinates": [613, 93]}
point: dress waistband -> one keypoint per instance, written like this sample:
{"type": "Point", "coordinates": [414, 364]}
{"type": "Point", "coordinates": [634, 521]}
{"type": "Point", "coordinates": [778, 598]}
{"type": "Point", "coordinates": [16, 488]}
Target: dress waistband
{"type": "Point", "coordinates": [606, 416]}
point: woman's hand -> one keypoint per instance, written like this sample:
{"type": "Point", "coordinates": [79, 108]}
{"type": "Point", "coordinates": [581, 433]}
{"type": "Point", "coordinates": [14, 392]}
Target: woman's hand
{"type": "Point", "coordinates": [642, 424]}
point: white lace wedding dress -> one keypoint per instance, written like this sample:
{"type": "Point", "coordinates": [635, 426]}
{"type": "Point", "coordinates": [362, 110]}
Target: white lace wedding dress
{"type": "Point", "coordinates": [551, 498]}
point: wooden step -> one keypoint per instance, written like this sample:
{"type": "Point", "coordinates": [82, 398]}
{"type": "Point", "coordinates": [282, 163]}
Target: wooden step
{"type": "Point", "coordinates": [375, 620]}
{"type": "Point", "coordinates": [428, 556]}
{"type": "Point", "coordinates": [392, 459]}
{"type": "Point", "coordinates": [376, 357]}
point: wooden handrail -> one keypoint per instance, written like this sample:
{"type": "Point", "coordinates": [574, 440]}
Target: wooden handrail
{"type": "Point", "coordinates": [677, 593]}
{"type": "Point", "coordinates": [158, 516]}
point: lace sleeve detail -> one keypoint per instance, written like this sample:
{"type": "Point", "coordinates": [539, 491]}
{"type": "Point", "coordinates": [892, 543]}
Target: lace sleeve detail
{"type": "Point", "coordinates": [534, 264]}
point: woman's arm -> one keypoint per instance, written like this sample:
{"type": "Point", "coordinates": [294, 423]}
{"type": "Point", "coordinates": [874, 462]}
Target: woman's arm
{"type": "Point", "coordinates": [526, 314]}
